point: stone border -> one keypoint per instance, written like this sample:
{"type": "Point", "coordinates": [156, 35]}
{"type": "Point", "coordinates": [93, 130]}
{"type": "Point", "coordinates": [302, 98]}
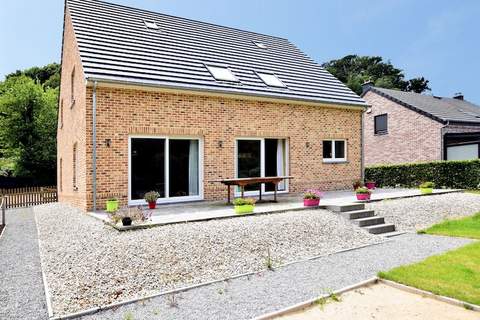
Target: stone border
{"type": "Point", "coordinates": [183, 289]}
{"type": "Point", "coordinates": [439, 192]}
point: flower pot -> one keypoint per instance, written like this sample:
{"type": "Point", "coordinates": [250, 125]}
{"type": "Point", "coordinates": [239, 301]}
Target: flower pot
{"type": "Point", "coordinates": [112, 205]}
{"type": "Point", "coordinates": [426, 190]}
{"type": "Point", "coordinates": [248, 208]}
{"type": "Point", "coordinates": [152, 205]}
{"type": "Point", "coordinates": [363, 196]}
{"type": "Point", "coordinates": [370, 185]}
{"type": "Point", "coordinates": [311, 202]}
{"type": "Point", "coordinates": [127, 221]}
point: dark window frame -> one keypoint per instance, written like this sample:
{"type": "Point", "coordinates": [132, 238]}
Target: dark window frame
{"type": "Point", "coordinates": [380, 131]}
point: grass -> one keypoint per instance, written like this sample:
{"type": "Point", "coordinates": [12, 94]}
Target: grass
{"type": "Point", "coordinates": [454, 274]}
{"type": "Point", "coordinates": [467, 228]}
{"type": "Point", "coordinates": [477, 191]}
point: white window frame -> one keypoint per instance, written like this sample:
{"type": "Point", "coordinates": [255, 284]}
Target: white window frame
{"type": "Point", "coordinates": [259, 75]}
{"type": "Point", "coordinates": [334, 159]}
{"type": "Point", "coordinates": [210, 66]}
{"type": "Point", "coordinates": [167, 198]}
{"type": "Point", "coordinates": [262, 165]}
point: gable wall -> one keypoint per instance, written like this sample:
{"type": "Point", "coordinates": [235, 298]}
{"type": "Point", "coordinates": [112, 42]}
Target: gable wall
{"type": "Point", "coordinates": [411, 137]}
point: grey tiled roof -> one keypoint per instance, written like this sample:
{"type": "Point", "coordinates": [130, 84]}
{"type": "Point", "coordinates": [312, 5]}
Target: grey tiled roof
{"type": "Point", "coordinates": [440, 108]}
{"type": "Point", "coordinates": [115, 45]}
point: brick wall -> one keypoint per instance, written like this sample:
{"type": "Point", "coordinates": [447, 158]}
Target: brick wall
{"type": "Point", "coordinates": [411, 136]}
{"type": "Point", "coordinates": [73, 129]}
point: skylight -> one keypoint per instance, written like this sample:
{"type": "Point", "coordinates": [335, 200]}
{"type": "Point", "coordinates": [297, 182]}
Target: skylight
{"type": "Point", "coordinates": [150, 24]}
{"type": "Point", "coordinates": [260, 44]}
{"type": "Point", "coordinates": [222, 73]}
{"type": "Point", "coordinates": [271, 80]}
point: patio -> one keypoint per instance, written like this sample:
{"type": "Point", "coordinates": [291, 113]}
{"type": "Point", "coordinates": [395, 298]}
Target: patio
{"type": "Point", "coordinates": [208, 210]}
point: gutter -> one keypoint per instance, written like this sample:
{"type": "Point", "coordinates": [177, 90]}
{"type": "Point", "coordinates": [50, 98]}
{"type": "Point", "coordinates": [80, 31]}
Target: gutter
{"type": "Point", "coordinates": [94, 145]}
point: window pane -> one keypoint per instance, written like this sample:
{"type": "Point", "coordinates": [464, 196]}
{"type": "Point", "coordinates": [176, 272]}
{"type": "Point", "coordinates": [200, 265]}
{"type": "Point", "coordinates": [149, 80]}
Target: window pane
{"type": "Point", "coordinates": [327, 149]}
{"type": "Point", "coordinates": [271, 80]}
{"type": "Point", "coordinates": [339, 149]}
{"type": "Point", "coordinates": [381, 123]}
{"type": "Point", "coordinates": [221, 73]}
{"type": "Point", "coordinates": [183, 168]}
{"type": "Point", "coordinates": [148, 167]}
{"type": "Point", "coordinates": [275, 162]}
{"type": "Point", "coordinates": [248, 160]}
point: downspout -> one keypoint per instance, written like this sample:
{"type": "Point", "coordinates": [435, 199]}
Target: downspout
{"type": "Point", "coordinates": [362, 147]}
{"type": "Point", "coordinates": [443, 147]}
{"type": "Point", "coordinates": [94, 145]}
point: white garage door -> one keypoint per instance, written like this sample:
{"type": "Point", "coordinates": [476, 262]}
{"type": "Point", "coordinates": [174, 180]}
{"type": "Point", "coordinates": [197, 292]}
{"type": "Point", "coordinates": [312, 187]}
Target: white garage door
{"type": "Point", "coordinates": [465, 152]}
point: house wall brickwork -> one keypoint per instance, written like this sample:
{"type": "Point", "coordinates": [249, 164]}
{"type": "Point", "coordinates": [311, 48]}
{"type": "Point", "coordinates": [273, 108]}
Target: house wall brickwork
{"type": "Point", "coordinates": [411, 136]}
{"type": "Point", "coordinates": [74, 127]}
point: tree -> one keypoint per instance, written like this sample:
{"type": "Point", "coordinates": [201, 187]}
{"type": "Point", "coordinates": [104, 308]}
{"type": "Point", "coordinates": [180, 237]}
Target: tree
{"type": "Point", "coordinates": [28, 123]}
{"type": "Point", "coordinates": [48, 76]}
{"type": "Point", "coordinates": [354, 70]}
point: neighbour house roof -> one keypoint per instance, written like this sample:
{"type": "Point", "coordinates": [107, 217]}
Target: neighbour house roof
{"type": "Point", "coordinates": [127, 45]}
{"type": "Point", "coordinates": [439, 108]}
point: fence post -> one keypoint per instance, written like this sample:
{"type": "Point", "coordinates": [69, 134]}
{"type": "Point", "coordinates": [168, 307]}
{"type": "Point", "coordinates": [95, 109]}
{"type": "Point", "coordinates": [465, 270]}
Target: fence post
{"type": "Point", "coordinates": [4, 205]}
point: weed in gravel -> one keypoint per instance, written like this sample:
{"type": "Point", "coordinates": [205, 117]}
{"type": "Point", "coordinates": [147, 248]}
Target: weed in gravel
{"type": "Point", "coordinates": [268, 260]}
{"type": "Point", "coordinates": [335, 297]}
{"type": "Point", "coordinates": [321, 302]}
{"type": "Point", "coordinates": [156, 312]}
{"type": "Point", "coordinates": [172, 300]}
{"type": "Point", "coordinates": [128, 316]}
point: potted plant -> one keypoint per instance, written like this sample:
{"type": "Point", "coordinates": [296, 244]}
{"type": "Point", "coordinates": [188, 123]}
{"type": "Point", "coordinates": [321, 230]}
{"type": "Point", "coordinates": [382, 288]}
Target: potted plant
{"type": "Point", "coordinates": [311, 198]}
{"type": "Point", "coordinates": [127, 216]}
{"type": "Point", "coordinates": [427, 187]}
{"type": "Point", "coordinates": [151, 198]}
{"type": "Point", "coordinates": [370, 185]}
{"type": "Point", "coordinates": [357, 184]}
{"type": "Point", "coordinates": [244, 205]}
{"type": "Point", "coordinates": [112, 205]}
{"type": "Point", "coordinates": [363, 193]}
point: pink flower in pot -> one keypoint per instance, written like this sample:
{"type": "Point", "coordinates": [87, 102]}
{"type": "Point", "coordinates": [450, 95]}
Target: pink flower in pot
{"type": "Point", "coordinates": [363, 193]}
{"type": "Point", "coordinates": [311, 198]}
{"type": "Point", "coordinates": [370, 185]}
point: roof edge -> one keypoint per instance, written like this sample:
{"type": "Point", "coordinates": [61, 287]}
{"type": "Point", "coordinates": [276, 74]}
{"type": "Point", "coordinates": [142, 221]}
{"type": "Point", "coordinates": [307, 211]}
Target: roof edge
{"type": "Point", "coordinates": [224, 93]}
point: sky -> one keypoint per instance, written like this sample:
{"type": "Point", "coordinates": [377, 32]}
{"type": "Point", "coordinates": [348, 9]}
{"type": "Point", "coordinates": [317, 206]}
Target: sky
{"type": "Point", "coordinates": [439, 40]}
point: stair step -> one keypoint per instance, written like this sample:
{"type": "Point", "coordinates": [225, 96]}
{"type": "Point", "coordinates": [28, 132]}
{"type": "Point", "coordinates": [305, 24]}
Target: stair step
{"type": "Point", "coordinates": [358, 214]}
{"type": "Point", "coordinates": [346, 207]}
{"type": "Point", "coordinates": [369, 221]}
{"type": "Point", "coordinates": [393, 234]}
{"type": "Point", "coordinates": [380, 228]}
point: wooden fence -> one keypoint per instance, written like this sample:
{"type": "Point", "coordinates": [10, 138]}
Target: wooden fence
{"type": "Point", "coordinates": [29, 196]}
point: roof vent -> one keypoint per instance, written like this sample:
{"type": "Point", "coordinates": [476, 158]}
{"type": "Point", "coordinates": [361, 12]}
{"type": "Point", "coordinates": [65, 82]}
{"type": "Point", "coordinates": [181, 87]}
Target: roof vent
{"type": "Point", "coordinates": [261, 45]}
{"type": "Point", "coordinates": [150, 24]}
{"type": "Point", "coordinates": [458, 96]}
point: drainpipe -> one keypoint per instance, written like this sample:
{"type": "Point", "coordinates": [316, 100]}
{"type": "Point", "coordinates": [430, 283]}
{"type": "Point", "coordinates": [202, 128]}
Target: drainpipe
{"type": "Point", "coordinates": [94, 145]}
{"type": "Point", "coordinates": [443, 148]}
{"type": "Point", "coordinates": [362, 146]}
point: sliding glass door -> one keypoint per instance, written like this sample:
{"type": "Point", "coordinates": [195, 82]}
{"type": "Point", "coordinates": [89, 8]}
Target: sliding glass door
{"type": "Point", "coordinates": [258, 157]}
{"type": "Point", "coordinates": [170, 166]}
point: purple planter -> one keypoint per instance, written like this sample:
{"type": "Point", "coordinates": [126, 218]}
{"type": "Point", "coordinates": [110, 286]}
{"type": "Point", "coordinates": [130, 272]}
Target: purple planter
{"type": "Point", "coordinates": [311, 202]}
{"type": "Point", "coordinates": [363, 196]}
{"type": "Point", "coordinates": [370, 185]}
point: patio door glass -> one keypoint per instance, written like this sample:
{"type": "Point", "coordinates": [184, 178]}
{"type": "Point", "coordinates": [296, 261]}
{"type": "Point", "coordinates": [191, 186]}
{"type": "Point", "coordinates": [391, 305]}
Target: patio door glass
{"type": "Point", "coordinates": [249, 161]}
{"type": "Point", "coordinates": [183, 168]}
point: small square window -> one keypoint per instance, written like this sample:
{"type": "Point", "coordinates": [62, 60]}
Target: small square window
{"type": "Point", "coordinates": [150, 24]}
{"type": "Point", "coordinates": [381, 124]}
{"type": "Point", "coordinates": [334, 150]}
{"type": "Point", "coordinates": [271, 80]}
{"type": "Point", "coordinates": [222, 73]}
{"type": "Point", "coordinates": [261, 45]}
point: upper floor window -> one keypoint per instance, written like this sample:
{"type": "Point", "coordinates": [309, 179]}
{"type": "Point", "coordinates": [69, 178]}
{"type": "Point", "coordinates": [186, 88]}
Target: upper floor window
{"type": "Point", "coordinates": [271, 80]}
{"type": "Point", "coordinates": [222, 73]}
{"type": "Point", "coordinates": [72, 88]}
{"type": "Point", "coordinates": [334, 150]}
{"type": "Point", "coordinates": [381, 124]}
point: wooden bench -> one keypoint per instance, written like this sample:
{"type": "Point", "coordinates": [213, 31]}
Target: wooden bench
{"type": "Point", "coordinates": [242, 182]}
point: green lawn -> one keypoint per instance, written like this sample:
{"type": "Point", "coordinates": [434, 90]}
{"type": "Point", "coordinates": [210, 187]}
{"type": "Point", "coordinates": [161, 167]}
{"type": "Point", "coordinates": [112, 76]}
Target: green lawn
{"type": "Point", "coordinates": [454, 274]}
{"type": "Point", "coordinates": [467, 227]}
{"type": "Point", "coordinates": [473, 191]}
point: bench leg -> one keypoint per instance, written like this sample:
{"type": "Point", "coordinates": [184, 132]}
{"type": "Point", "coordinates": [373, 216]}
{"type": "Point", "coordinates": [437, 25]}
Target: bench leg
{"type": "Point", "coordinates": [242, 188]}
{"type": "Point", "coordinates": [260, 193]}
{"type": "Point", "coordinates": [275, 192]}
{"type": "Point", "coordinates": [228, 196]}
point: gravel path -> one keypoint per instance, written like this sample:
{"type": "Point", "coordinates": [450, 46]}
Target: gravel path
{"type": "Point", "coordinates": [418, 213]}
{"type": "Point", "coordinates": [88, 264]}
{"type": "Point", "coordinates": [21, 286]}
{"type": "Point", "coordinates": [247, 297]}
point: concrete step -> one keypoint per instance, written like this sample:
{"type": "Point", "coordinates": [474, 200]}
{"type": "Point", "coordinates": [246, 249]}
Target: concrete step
{"type": "Point", "coordinates": [380, 228]}
{"type": "Point", "coordinates": [369, 221]}
{"type": "Point", "coordinates": [346, 207]}
{"type": "Point", "coordinates": [358, 214]}
{"type": "Point", "coordinates": [393, 234]}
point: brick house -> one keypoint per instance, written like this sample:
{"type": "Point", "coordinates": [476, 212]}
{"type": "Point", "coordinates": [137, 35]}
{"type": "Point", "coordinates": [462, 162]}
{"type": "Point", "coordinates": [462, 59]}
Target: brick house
{"type": "Point", "coordinates": [154, 102]}
{"type": "Point", "coordinates": [402, 127]}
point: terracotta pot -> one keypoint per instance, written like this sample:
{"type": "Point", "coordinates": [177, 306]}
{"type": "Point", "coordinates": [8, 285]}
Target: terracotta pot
{"type": "Point", "coordinates": [311, 202]}
{"type": "Point", "coordinates": [363, 196]}
{"type": "Point", "coordinates": [370, 185]}
{"type": "Point", "coordinates": [152, 205]}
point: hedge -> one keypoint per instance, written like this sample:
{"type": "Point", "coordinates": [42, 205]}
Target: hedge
{"type": "Point", "coordinates": [447, 174]}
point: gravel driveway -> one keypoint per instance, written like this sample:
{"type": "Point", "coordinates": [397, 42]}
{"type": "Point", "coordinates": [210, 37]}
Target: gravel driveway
{"type": "Point", "coordinates": [418, 213]}
{"type": "Point", "coordinates": [88, 264]}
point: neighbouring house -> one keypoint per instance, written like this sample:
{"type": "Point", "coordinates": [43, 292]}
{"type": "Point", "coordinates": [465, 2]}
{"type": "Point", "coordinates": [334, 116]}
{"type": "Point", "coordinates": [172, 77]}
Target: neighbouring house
{"type": "Point", "coordinates": [405, 127]}
{"type": "Point", "coordinates": [150, 101]}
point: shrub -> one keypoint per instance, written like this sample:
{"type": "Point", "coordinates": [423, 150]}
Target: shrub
{"type": "Point", "coordinates": [427, 185]}
{"type": "Point", "coordinates": [244, 201]}
{"type": "Point", "coordinates": [448, 174]}
{"type": "Point", "coordinates": [363, 190]}
{"type": "Point", "coordinates": [151, 196]}
{"type": "Point", "coordinates": [313, 194]}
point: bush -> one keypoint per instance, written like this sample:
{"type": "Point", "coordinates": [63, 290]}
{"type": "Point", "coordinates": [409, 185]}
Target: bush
{"type": "Point", "coordinates": [446, 174]}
